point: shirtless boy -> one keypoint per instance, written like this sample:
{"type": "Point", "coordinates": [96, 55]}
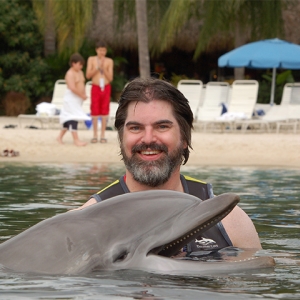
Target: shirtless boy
{"type": "Point", "coordinates": [100, 70]}
{"type": "Point", "coordinates": [72, 111]}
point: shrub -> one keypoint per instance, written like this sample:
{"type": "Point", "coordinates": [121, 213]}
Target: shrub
{"type": "Point", "coordinates": [15, 103]}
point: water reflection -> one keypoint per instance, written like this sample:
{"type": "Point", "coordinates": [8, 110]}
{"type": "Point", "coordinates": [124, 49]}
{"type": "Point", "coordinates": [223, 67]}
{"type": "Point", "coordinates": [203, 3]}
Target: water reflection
{"type": "Point", "coordinates": [31, 193]}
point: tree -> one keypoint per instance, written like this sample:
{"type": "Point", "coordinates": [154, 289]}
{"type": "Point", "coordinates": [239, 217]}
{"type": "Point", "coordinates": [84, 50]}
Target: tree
{"type": "Point", "coordinates": [236, 20]}
{"type": "Point", "coordinates": [142, 29]}
{"type": "Point", "coordinates": [22, 68]}
{"type": "Point", "coordinates": [67, 21]}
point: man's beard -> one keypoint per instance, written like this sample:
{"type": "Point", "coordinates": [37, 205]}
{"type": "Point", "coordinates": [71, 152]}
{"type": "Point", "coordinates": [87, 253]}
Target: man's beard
{"type": "Point", "coordinates": [152, 173]}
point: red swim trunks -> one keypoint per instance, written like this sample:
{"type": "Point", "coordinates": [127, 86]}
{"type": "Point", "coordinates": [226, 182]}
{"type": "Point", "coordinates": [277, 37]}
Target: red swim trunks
{"type": "Point", "coordinates": [100, 100]}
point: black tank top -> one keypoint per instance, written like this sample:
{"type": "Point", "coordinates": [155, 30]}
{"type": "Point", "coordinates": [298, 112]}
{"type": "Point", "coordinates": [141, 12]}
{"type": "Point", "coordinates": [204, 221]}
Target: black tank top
{"type": "Point", "coordinates": [211, 240]}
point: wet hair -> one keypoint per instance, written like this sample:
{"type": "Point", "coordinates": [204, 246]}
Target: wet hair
{"type": "Point", "coordinates": [100, 44]}
{"type": "Point", "coordinates": [75, 58]}
{"type": "Point", "coordinates": [149, 89]}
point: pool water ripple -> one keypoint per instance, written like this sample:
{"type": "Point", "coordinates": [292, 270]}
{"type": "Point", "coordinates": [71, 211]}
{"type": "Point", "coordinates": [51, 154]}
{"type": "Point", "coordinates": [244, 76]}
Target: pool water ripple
{"type": "Point", "coordinates": [30, 193]}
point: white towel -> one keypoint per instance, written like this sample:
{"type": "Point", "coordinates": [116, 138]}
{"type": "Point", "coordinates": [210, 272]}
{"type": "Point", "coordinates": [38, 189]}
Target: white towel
{"type": "Point", "coordinates": [45, 109]}
{"type": "Point", "coordinates": [232, 116]}
{"type": "Point", "coordinates": [72, 109]}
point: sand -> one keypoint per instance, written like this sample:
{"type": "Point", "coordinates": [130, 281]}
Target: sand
{"type": "Point", "coordinates": [209, 149]}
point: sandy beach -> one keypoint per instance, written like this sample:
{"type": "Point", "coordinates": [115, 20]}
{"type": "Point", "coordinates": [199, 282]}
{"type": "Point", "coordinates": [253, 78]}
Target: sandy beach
{"type": "Point", "coordinates": [209, 149]}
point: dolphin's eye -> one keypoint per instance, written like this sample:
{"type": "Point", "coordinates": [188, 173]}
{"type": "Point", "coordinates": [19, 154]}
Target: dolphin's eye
{"type": "Point", "coordinates": [121, 257]}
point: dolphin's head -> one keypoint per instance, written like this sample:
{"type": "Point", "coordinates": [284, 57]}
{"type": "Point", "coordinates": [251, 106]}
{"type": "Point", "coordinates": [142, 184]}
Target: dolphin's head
{"type": "Point", "coordinates": [153, 223]}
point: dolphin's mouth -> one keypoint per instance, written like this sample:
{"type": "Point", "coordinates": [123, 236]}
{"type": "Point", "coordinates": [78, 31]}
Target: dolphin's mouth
{"type": "Point", "coordinates": [172, 248]}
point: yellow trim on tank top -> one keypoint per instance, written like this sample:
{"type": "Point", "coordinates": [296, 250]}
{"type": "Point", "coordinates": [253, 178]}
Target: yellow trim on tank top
{"type": "Point", "coordinates": [193, 179]}
{"type": "Point", "coordinates": [115, 182]}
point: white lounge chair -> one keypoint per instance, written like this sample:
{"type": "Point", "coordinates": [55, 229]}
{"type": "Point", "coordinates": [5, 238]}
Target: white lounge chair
{"type": "Point", "coordinates": [291, 94]}
{"type": "Point", "coordinates": [86, 105]}
{"type": "Point", "coordinates": [215, 94]}
{"type": "Point", "coordinates": [112, 114]}
{"type": "Point", "coordinates": [293, 118]}
{"type": "Point", "coordinates": [276, 113]}
{"type": "Point", "coordinates": [57, 99]}
{"type": "Point", "coordinates": [243, 97]}
{"type": "Point", "coordinates": [58, 93]}
{"type": "Point", "coordinates": [192, 90]}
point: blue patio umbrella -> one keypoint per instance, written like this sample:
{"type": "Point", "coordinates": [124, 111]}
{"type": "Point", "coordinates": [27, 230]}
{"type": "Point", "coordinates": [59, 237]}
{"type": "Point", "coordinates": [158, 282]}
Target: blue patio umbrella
{"type": "Point", "coordinates": [265, 54]}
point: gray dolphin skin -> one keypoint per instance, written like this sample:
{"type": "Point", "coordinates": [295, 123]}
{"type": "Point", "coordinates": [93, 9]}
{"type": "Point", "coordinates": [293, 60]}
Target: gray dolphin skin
{"type": "Point", "coordinates": [139, 231]}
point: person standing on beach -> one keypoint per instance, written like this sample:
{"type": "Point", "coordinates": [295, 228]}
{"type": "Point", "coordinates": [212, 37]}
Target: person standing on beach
{"type": "Point", "coordinates": [75, 94]}
{"type": "Point", "coordinates": [100, 70]}
{"type": "Point", "coordinates": [154, 123]}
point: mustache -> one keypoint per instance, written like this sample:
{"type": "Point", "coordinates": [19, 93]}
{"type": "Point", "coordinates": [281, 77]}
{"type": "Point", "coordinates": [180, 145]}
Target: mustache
{"type": "Point", "coordinates": [151, 146]}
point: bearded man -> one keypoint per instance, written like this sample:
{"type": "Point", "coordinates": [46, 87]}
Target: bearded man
{"type": "Point", "coordinates": [154, 123]}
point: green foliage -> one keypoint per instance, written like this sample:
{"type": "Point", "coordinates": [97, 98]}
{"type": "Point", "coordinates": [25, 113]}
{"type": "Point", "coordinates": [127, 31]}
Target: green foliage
{"type": "Point", "coordinates": [176, 78]}
{"type": "Point", "coordinates": [265, 83]}
{"type": "Point", "coordinates": [120, 79]}
{"type": "Point", "coordinates": [71, 19]}
{"type": "Point", "coordinates": [22, 68]}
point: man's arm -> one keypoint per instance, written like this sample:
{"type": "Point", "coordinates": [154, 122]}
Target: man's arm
{"type": "Point", "coordinates": [91, 70]}
{"type": "Point", "coordinates": [241, 230]}
{"type": "Point", "coordinates": [86, 204]}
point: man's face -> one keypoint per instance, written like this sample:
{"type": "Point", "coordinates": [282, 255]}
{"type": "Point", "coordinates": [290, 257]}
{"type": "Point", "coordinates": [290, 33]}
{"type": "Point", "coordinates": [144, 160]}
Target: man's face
{"type": "Point", "coordinates": [151, 147]}
{"type": "Point", "coordinates": [101, 51]}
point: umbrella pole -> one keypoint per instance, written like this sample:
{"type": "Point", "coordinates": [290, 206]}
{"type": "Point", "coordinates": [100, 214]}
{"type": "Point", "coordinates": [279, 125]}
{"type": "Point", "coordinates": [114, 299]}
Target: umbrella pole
{"type": "Point", "coordinates": [273, 86]}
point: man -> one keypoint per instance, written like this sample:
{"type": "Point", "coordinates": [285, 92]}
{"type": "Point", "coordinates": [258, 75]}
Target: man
{"type": "Point", "coordinates": [154, 123]}
{"type": "Point", "coordinates": [100, 70]}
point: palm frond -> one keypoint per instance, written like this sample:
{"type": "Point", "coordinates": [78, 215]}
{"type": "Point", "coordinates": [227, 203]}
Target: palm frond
{"type": "Point", "coordinates": [72, 19]}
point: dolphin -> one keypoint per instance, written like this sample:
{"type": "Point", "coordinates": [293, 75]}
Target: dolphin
{"type": "Point", "coordinates": [138, 231]}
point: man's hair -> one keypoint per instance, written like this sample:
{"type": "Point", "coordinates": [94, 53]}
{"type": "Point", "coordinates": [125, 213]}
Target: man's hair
{"type": "Point", "coordinates": [75, 58]}
{"type": "Point", "coordinates": [100, 44]}
{"type": "Point", "coordinates": [149, 89]}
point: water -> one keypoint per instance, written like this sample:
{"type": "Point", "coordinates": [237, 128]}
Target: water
{"type": "Point", "coordinates": [30, 193]}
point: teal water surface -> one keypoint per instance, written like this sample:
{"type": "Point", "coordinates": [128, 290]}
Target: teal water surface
{"type": "Point", "coordinates": [30, 193]}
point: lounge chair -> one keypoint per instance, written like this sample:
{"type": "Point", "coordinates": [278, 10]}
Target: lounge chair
{"type": "Point", "coordinates": [112, 114]}
{"type": "Point", "coordinates": [291, 94]}
{"type": "Point", "coordinates": [216, 94]}
{"type": "Point", "coordinates": [86, 105]}
{"type": "Point", "coordinates": [293, 118]}
{"type": "Point", "coordinates": [58, 93]}
{"type": "Point", "coordinates": [276, 113]}
{"type": "Point", "coordinates": [57, 99]}
{"type": "Point", "coordinates": [241, 105]}
{"type": "Point", "coordinates": [192, 90]}
{"type": "Point", "coordinates": [243, 97]}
